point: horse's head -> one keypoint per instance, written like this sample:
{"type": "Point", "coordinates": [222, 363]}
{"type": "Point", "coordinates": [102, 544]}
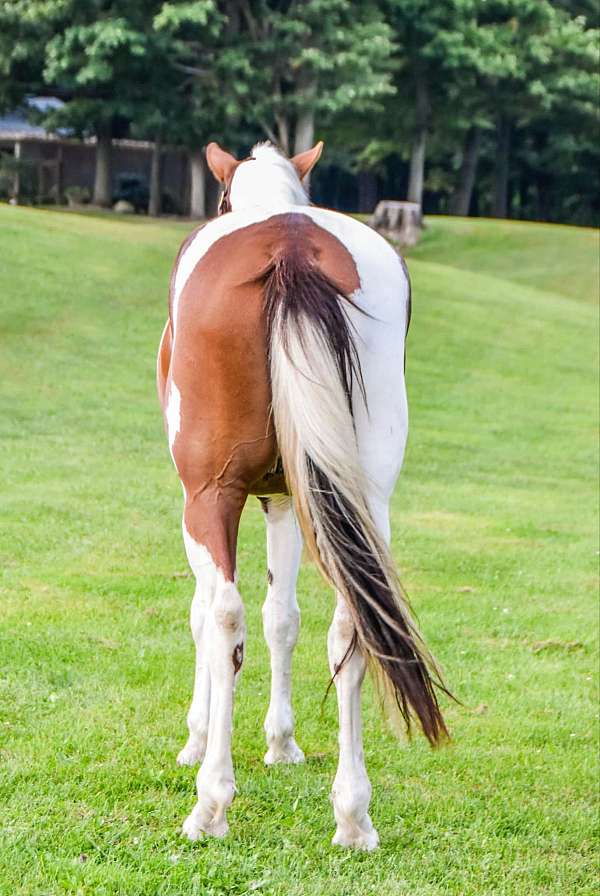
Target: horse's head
{"type": "Point", "coordinates": [265, 178]}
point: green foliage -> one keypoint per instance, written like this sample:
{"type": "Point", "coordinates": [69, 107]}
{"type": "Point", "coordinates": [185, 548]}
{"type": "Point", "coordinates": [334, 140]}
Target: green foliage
{"type": "Point", "coordinates": [373, 78]}
{"type": "Point", "coordinates": [77, 195]}
{"type": "Point", "coordinates": [25, 27]}
{"type": "Point", "coordinates": [275, 62]}
{"type": "Point", "coordinates": [11, 169]}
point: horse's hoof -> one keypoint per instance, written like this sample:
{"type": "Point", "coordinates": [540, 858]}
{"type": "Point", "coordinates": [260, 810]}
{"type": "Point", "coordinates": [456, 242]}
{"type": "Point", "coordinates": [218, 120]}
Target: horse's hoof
{"type": "Point", "coordinates": [191, 754]}
{"type": "Point", "coordinates": [286, 752]}
{"type": "Point", "coordinates": [194, 830]}
{"type": "Point", "coordinates": [191, 829]}
{"type": "Point", "coordinates": [366, 838]}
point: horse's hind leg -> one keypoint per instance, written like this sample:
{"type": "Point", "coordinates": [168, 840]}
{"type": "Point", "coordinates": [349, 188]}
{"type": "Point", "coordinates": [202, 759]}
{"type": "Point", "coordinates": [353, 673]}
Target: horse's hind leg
{"type": "Point", "coordinates": [281, 621]}
{"type": "Point", "coordinates": [223, 638]}
{"type": "Point", "coordinates": [204, 570]}
{"type": "Point", "coordinates": [351, 792]}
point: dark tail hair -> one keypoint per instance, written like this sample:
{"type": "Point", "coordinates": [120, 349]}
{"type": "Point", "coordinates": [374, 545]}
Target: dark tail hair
{"type": "Point", "coordinates": [314, 365]}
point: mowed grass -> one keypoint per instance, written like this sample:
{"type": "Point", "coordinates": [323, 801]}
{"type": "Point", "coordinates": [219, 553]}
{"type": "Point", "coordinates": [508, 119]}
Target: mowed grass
{"type": "Point", "coordinates": [495, 532]}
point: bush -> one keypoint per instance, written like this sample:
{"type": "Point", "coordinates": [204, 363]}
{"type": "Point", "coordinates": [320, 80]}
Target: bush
{"type": "Point", "coordinates": [169, 204]}
{"type": "Point", "coordinates": [133, 188]}
{"type": "Point", "coordinates": [77, 195]}
{"type": "Point", "coordinates": [10, 169]}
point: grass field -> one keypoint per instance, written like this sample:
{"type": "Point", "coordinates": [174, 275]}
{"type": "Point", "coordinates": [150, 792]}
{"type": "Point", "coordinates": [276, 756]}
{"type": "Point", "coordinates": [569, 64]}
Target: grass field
{"type": "Point", "coordinates": [494, 530]}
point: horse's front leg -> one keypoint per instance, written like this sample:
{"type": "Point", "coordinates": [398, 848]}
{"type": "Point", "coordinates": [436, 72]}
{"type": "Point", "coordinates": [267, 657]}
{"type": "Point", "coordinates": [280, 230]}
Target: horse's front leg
{"type": "Point", "coordinates": [223, 639]}
{"type": "Point", "coordinates": [351, 792]}
{"type": "Point", "coordinates": [281, 621]}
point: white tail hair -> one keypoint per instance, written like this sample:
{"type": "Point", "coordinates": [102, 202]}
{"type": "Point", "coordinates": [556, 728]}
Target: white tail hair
{"type": "Point", "coordinates": [314, 364]}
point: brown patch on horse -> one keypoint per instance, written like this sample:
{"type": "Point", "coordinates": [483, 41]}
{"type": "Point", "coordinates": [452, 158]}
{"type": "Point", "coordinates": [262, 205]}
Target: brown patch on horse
{"type": "Point", "coordinates": [272, 483]}
{"type": "Point", "coordinates": [304, 162]}
{"type": "Point", "coordinates": [226, 446]}
{"type": "Point", "coordinates": [269, 577]}
{"type": "Point", "coordinates": [237, 658]}
{"type": "Point", "coordinates": [221, 163]}
{"type": "Point", "coordinates": [223, 166]}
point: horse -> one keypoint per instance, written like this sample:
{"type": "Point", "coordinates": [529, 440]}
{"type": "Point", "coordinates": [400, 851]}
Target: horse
{"type": "Point", "coordinates": [281, 375]}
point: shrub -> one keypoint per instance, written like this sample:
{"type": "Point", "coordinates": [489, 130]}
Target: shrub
{"type": "Point", "coordinates": [77, 195]}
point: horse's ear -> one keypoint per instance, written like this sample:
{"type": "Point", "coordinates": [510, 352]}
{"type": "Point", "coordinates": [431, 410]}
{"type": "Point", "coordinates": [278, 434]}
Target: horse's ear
{"type": "Point", "coordinates": [304, 162]}
{"type": "Point", "coordinates": [221, 163]}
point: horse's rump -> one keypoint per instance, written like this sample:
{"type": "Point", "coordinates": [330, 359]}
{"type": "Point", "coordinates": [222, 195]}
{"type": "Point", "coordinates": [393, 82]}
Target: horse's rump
{"type": "Point", "coordinates": [219, 355]}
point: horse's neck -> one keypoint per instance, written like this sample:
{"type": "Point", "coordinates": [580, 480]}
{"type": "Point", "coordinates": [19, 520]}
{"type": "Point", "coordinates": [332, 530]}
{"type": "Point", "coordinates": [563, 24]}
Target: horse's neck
{"type": "Point", "coordinates": [277, 193]}
{"type": "Point", "coordinates": [275, 201]}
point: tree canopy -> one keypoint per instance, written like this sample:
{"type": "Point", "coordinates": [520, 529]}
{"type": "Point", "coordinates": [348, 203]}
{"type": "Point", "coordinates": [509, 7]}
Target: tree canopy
{"type": "Point", "coordinates": [481, 106]}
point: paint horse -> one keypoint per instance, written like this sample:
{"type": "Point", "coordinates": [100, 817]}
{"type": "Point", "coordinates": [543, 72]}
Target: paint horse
{"type": "Point", "coordinates": [281, 375]}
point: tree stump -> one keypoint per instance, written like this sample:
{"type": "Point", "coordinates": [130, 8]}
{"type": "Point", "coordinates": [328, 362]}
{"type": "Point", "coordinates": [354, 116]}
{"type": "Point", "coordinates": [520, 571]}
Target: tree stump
{"type": "Point", "coordinates": [398, 221]}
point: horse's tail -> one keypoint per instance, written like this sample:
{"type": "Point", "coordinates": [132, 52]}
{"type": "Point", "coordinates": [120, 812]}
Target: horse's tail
{"type": "Point", "coordinates": [314, 365]}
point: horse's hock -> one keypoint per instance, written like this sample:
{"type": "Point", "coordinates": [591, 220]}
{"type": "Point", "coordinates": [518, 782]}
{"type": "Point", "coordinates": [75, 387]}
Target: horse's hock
{"type": "Point", "coordinates": [401, 222]}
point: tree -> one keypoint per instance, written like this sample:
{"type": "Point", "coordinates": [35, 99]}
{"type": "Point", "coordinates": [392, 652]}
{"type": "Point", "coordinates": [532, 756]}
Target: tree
{"type": "Point", "coordinates": [87, 62]}
{"type": "Point", "coordinates": [435, 43]}
{"type": "Point", "coordinates": [25, 28]}
{"type": "Point", "coordinates": [544, 59]}
{"type": "Point", "coordinates": [319, 57]}
{"type": "Point", "coordinates": [198, 58]}
{"type": "Point", "coordinates": [491, 103]}
{"type": "Point", "coordinates": [281, 64]}
{"type": "Point", "coordinates": [114, 64]}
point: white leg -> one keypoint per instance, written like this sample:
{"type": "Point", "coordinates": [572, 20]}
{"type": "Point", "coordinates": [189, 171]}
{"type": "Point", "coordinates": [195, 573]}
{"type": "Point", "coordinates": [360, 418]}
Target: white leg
{"type": "Point", "coordinates": [281, 621]}
{"type": "Point", "coordinates": [204, 570]}
{"type": "Point", "coordinates": [351, 792]}
{"type": "Point", "coordinates": [224, 632]}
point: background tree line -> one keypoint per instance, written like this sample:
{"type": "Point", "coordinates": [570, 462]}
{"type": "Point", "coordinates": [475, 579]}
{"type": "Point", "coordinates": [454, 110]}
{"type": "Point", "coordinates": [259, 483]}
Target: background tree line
{"type": "Point", "coordinates": [468, 106]}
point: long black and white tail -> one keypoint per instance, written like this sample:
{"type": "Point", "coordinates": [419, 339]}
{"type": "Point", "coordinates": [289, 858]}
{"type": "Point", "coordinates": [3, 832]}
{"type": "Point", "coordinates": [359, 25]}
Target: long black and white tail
{"type": "Point", "coordinates": [314, 364]}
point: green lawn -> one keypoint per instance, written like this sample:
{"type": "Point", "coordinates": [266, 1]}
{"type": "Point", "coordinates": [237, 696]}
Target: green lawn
{"type": "Point", "coordinates": [494, 530]}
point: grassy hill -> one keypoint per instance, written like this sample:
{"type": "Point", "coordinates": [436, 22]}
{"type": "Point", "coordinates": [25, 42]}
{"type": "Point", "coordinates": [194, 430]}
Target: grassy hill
{"type": "Point", "coordinates": [495, 531]}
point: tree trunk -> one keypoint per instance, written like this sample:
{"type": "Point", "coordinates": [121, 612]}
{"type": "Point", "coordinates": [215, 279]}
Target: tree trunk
{"type": "Point", "coordinates": [16, 187]}
{"type": "Point", "coordinates": [500, 207]}
{"type": "Point", "coordinates": [59, 174]}
{"type": "Point", "coordinates": [283, 133]}
{"type": "Point", "coordinates": [304, 137]}
{"type": "Point", "coordinates": [461, 200]}
{"type": "Point", "coordinates": [417, 168]}
{"type": "Point", "coordinates": [367, 191]}
{"type": "Point", "coordinates": [541, 177]}
{"type": "Point", "coordinates": [213, 193]}
{"type": "Point", "coordinates": [398, 221]}
{"type": "Point", "coordinates": [416, 175]}
{"type": "Point", "coordinates": [197, 184]}
{"type": "Point", "coordinates": [103, 175]}
{"type": "Point", "coordinates": [39, 182]}
{"type": "Point", "coordinates": [305, 131]}
{"type": "Point", "coordinates": [154, 202]}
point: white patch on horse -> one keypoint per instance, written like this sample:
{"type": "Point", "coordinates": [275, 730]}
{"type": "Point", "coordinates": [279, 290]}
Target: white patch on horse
{"type": "Point", "coordinates": [224, 637]}
{"type": "Point", "coordinates": [382, 429]}
{"type": "Point", "coordinates": [351, 791]}
{"type": "Point", "coordinates": [173, 415]}
{"type": "Point", "coordinates": [281, 622]}
{"type": "Point", "coordinates": [198, 555]}
{"type": "Point", "coordinates": [269, 180]}
{"type": "Point", "coordinates": [207, 576]}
